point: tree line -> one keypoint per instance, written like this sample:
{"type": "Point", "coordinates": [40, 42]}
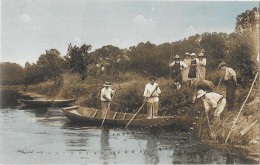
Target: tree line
{"type": "Point", "coordinates": [239, 49]}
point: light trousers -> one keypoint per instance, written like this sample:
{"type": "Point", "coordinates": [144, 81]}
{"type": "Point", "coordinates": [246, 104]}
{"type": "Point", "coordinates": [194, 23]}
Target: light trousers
{"type": "Point", "coordinates": [152, 109]}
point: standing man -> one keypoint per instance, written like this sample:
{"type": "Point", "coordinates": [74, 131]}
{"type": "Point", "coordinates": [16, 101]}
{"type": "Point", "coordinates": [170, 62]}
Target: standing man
{"type": "Point", "coordinates": [177, 69]}
{"type": "Point", "coordinates": [230, 81]}
{"type": "Point", "coordinates": [201, 69]}
{"type": "Point", "coordinates": [106, 97]}
{"type": "Point", "coordinates": [212, 101]}
{"type": "Point", "coordinates": [151, 95]}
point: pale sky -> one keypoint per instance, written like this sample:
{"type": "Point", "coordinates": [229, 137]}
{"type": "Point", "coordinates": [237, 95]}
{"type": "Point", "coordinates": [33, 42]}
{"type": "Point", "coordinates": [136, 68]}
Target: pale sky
{"type": "Point", "coordinates": [29, 27]}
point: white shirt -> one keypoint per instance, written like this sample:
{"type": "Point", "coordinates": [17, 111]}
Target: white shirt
{"type": "Point", "coordinates": [230, 73]}
{"type": "Point", "coordinates": [108, 92]}
{"type": "Point", "coordinates": [182, 64]}
{"type": "Point", "coordinates": [211, 100]}
{"type": "Point", "coordinates": [202, 62]}
{"type": "Point", "coordinates": [148, 90]}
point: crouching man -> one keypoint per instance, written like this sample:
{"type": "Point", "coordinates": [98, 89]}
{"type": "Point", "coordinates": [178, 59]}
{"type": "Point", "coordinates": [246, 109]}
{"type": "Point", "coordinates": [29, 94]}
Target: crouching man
{"type": "Point", "coordinates": [212, 101]}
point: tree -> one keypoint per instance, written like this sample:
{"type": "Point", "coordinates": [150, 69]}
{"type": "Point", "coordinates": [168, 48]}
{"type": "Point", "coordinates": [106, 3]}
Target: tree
{"type": "Point", "coordinates": [110, 59]}
{"type": "Point", "coordinates": [245, 45]}
{"type": "Point", "coordinates": [52, 64]}
{"type": "Point", "coordinates": [146, 59]}
{"type": "Point", "coordinates": [11, 74]}
{"type": "Point", "coordinates": [33, 74]}
{"type": "Point", "coordinates": [78, 58]}
{"type": "Point", "coordinates": [215, 48]}
{"type": "Point", "coordinates": [248, 21]}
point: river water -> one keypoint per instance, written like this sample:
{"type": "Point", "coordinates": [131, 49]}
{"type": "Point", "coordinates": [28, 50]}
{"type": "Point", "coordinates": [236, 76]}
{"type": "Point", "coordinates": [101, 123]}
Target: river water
{"type": "Point", "coordinates": [46, 136]}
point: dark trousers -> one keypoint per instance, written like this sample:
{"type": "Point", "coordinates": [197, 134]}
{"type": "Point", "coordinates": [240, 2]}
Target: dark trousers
{"type": "Point", "coordinates": [230, 94]}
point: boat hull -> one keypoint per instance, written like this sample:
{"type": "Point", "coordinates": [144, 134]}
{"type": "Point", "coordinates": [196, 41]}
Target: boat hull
{"type": "Point", "coordinates": [90, 116]}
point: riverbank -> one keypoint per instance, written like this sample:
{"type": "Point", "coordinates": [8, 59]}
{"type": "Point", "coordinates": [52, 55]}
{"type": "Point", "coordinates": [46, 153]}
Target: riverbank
{"type": "Point", "coordinates": [244, 137]}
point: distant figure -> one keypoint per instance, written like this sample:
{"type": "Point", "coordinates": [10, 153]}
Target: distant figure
{"type": "Point", "coordinates": [212, 101]}
{"type": "Point", "coordinates": [193, 68]}
{"type": "Point", "coordinates": [151, 95]}
{"type": "Point", "coordinates": [230, 80]}
{"type": "Point", "coordinates": [185, 71]}
{"type": "Point", "coordinates": [201, 68]}
{"type": "Point", "coordinates": [106, 97]}
{"type": "Point", "coordinates": [177, 66]}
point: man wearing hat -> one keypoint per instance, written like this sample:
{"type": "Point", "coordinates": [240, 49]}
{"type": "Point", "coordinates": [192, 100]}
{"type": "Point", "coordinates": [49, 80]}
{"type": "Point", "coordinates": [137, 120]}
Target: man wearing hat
{"type": "Point", "coordinates": [212, 101]}
{"type": "Point", "coordinates": [106, 97]}
{"type": "Point", "coordinates": [201, 68]}
{"type": "Point", "coordinates": [230, 81]}
{"type": "Point", "coordinates": [151, 96]}
{"type": "Point", "coordinates": [177, 69]}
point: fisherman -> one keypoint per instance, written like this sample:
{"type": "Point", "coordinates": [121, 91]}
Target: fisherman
{"type": "Point", "coordinates": [212, 101]}
{"type": "Point", "coordinates": [151, 96]}
{"type": "Point", "coordinates": [230, 81]}
{"type": "Point", "coordinates": [201, 68]}
{"type": "Point", "coordinates": [177, 69]}
{"type": "Point", "coordinates": [185, 71]}
{"type": "Point", "coordinates": [106, 97]}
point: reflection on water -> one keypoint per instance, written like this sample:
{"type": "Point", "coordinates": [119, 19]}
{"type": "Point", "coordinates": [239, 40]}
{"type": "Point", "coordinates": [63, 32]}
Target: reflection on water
{"type": "Point", "coordinates": [152, 156]}
{"type": "Point", "coordinates": [47, 136]}
{"type": "Point", "coordinates": [8, 98]}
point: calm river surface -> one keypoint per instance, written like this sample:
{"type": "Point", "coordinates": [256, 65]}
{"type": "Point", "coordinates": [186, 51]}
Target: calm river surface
{"type": "Point", "coordinates": [46, 136]}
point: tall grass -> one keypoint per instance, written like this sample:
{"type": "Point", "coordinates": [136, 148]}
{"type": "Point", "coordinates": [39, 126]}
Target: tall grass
{"type": "Point", "coordinates": [128, 98]}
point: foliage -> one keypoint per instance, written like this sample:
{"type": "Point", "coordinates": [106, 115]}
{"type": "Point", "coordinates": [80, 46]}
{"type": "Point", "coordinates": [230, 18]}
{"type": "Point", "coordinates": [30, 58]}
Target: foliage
{"type": "Point", "coordinates": [78, 58]}
{"type": "Point", "coordinates": [49, 67]}
{"type": "Point", "coordinates": [248, 21]}
{"type": "Point", "coordinates": [145, 59]}
{"type": "Point", "coordinates": [11, 74]}
{"type": "Point", "coordinates": [244, 45]}
{"type": "Point", "coordinates": [33, 74]}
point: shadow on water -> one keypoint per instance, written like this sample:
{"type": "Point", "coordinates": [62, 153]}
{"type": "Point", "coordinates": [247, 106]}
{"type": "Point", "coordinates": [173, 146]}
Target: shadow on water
{"type": "Point", "coordinates": [8, 98]}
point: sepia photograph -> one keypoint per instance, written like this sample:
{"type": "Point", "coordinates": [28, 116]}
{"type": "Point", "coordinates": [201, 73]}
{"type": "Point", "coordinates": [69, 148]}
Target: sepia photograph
{"type": "Point", "coordinates": [129, 82]}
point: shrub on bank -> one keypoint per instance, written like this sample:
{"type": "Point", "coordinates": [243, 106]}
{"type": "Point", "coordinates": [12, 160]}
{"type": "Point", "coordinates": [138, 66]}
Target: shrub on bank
{"type": "Point", "coordinates": [47, 88]}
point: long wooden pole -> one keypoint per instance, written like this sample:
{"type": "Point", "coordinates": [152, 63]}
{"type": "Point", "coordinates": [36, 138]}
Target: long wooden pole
{"type": "Point", "coordinates": [219, 82]}
{"type": "Point", "coordinates": [141, 107]}
{"type": "Point", "coordinates": [108, 108]}
{"type": "Point", "coordinates": [241, 107]}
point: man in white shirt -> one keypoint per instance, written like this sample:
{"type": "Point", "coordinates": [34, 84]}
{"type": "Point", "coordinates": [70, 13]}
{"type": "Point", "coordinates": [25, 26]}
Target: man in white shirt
{"type": "Point", "coordinates": [230, 81]}
{"type": "Point", "coordinates": [106, 97]}
{"type": "Point", "coordinates": [151, 96]}
{"type": "Point", "coordinates": [212, 101]}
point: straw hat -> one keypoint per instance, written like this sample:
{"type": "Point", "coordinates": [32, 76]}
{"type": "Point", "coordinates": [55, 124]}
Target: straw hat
{"type": "Point", "coordinates": [222, 64]}
{"type": "Point", "coordinates": [200, 93]}
{"type": "Point", "coordinates": [193, 54]}
{"type": "Point", "coordinates": [177, 57]}
{"type": "Point", "coordinates": [107, 84]}
{"type": "Point", "coordinates": [201, 55]}
{"type": "Point", "coordinates": [187, 53]}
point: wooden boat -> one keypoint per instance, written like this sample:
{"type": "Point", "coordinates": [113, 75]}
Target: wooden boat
{"type": "Point", "coordinates": [46, 103]}
{"type": "Point", "coordinates": [91, 116]}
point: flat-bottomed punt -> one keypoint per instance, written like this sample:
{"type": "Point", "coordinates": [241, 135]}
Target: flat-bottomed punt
{"type": "Point", "coordinates": [47, 103]}
{"type": "Point", "coordinates": [91, 116]}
